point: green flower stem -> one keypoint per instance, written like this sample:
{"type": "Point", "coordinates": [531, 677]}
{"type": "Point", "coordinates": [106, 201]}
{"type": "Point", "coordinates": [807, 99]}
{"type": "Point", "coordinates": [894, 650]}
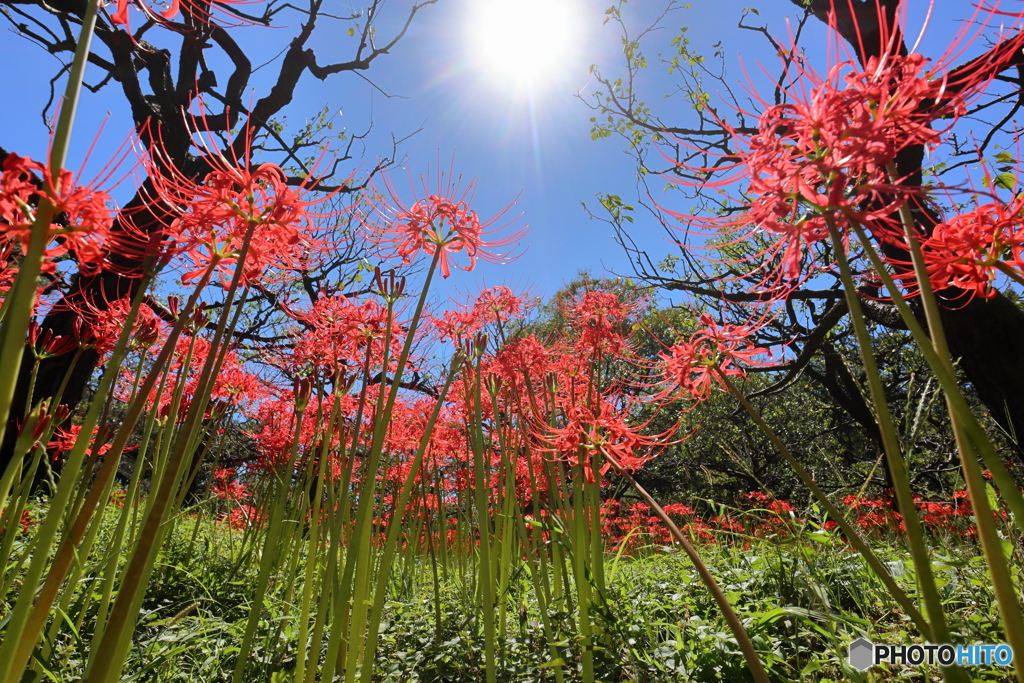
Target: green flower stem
{"type": "Point", "coordinates": [834, 513]}
{"type": "Point", "coordinates": [1009, 272]}
{"type": "Point", "coordinates": [396, 526]}
{"type": "Point", "coordinates": [127, 512]}
{"type": "Point", "coordinates": [22, 297]}
{"type": "Point", "coordinates": [481, 489]}
{"type": "Point", "coordinates": [580, 557]}
{"type": "Point", "coordinates": [359, 561]}
{"type": "Point", "coordinates": [731, 618]}
{"type": "Point", "coordinates": [947, 380]}
{"type": "Point", "coordinates": [19, 303]}
{"type": "Point", "coordinates": [897, 466]}
{"type": "Point", "coordinates": [311, 578]}
{"type": "Point", "coordinates": [117, 638]}
{"type": "Point", "coordinates": [341, 533]}
{"type": "Point", "coordinates": [269, 556]}
{"type": "Point", "coordinates": [1006, 592]}
{"type": "Point", "coordinates": [32, 610]}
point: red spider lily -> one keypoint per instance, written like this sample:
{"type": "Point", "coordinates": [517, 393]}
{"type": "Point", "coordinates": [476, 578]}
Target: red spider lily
{"type": "Point", "coordinates": [678, 510]}
{"type": "Point", "coordinates": [199, 10]}
{"type": "Point", "coordinates": [231, 204]}
{"type": "Point", "coordinates": [227, 487]}
{"type": "Point", "coordinates": [237, 204]}
{"type": "Point", "coordinates": [599, 309]}
{"type": "Point", "coordinates": [781, 507]}
{"type": "Point", "coordinates": [822, 155]}
{"type": "Point", "coordinates": [26, 521]}
{"type": "Point", "coordinates": [965, 252]}
{"type": "Point", "coordinates": [64, 440]}
{"type": "Point", "coordinates": [603, 431]}
{"type": "Point", "coordinates": [526, 356]}
{"type": "Point", "coordinates": [8, 271]}
{"type": "Point", "coordinates": [245, 517]}
{"type": "Point", "coordinates": [340, 330]}
{"type": "Point", "coordinates": [442, 225]}
{"type": "Point", "coordinates": [457, 326]}
{"type": "Point", "coordinates": [499, 303]}
{"type": "Point", "coordinates": [106, 326]}
{"type": "Point", "coordinates": [233, 385]}
{"type": "Point", "coordinates": [276, 417]}
{"type": "Point", "coordinates": [936, 514]}
{"type": "Point", "coordinates": [599, 320]}
{"type": "Point", "coordinates": [757, 498]}
{"type": "Point", "coordinates": [45, 343]}
{"type": "Point", "coordinates": [693, 365]}
{"type": "Point", "coordinates": [726, 523]}
{"type": "Point", "coordinates": [83, 214]}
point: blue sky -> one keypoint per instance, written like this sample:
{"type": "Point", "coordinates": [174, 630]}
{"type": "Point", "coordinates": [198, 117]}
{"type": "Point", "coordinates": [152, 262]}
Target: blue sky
{"type": "Point", "coordinates": [530, 143]}
{"type": "Point", "coordinates": [533, 144]}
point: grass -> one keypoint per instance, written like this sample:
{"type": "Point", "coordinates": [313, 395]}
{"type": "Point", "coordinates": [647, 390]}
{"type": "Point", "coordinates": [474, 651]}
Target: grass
{"type": "Point", "coordinates": [803, 595]}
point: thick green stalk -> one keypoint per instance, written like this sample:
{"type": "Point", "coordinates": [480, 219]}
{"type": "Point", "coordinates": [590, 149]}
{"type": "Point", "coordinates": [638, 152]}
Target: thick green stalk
{"type": "Point", "coordinates": [947, 380]}
{"type": "Point", "coordinates": [396, 527]}
{"type": "Point", "coordinates": [580, 555]}
{"type": "Point", "coordinates": [834, 513]}
{"type": "Point", "coordinates": [991, 544]}
{"type": "Point", "coordinates": [127, 512]}
{"type": "Point", "coordinates": [32, 610]}
{"type": "Point", "coordinates": [311, 577]}
{"type": "Point", "coordinates": [481, 490]}
{"type": "Point", "coordinates": [362, 534]}
{"type": "Point", "coordinates": [893, 453]}
{"type": "Point", "coordinates": [271, 551]}
{"type": "Point", "coordinates": [117, 637]}
{"type": "Point", "coordinates": [19, 303]}
{"type": "Point", "coordinates": [731, 618]}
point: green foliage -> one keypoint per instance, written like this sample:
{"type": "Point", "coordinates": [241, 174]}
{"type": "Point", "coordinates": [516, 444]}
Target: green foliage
{"type": "Point", "coordinates": [804, 595]}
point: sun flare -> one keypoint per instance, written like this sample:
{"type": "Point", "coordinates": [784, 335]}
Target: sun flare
{"type": "Point", "coordinates": [525, 42]}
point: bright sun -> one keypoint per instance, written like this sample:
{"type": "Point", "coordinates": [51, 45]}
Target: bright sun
{"type": "Point", "coordinates": [525, 42]}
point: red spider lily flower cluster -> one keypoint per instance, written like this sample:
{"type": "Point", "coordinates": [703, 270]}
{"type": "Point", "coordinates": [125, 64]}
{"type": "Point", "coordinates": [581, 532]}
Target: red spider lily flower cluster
{"type": "Point", "coordinates": [339, 330]}
{"type": "Point", "coordinates": [493, 305]}
{"type": "Point", "coordinates": [692, 366]}
{"type": "Point", "coordinates": [631, 527]}
{"type": "Point", "coordinates": [236, 206]}
{"type": "Point", "coordinates": [821, 157]}
{"type": "Point", "coordinates": [64, 440]}
{"type": "Point", "coordinates": [227, 487]}
{"type": "Point", "coordinates": [602, 430]}
{"type": "Point", "coordinates": [965, 252]}
{"type": "Point", "coordinates": [234, 386]}
{"type": "Point", "coordinates": [441, 226]}
{"type": "Point", "coordinates": [26, 522]}
{"type": "Point", "coordinates": [458, 326]}
{"type": "Point", "coordinates": [599, 317]}
{"type": "Point", "coordinates": [45, 343]}
{"type": "Point", "coordinates": [82, 217]}
{"type": "Point", "coordinates": [106, 326]}
{"type": "Point", "coordinates": [499, 304]}
{"type": "Point", "coordinates": [246, 516]}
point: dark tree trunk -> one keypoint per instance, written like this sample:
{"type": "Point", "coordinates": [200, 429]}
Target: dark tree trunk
{"type": "Point", "coordinates": [987, 337]}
